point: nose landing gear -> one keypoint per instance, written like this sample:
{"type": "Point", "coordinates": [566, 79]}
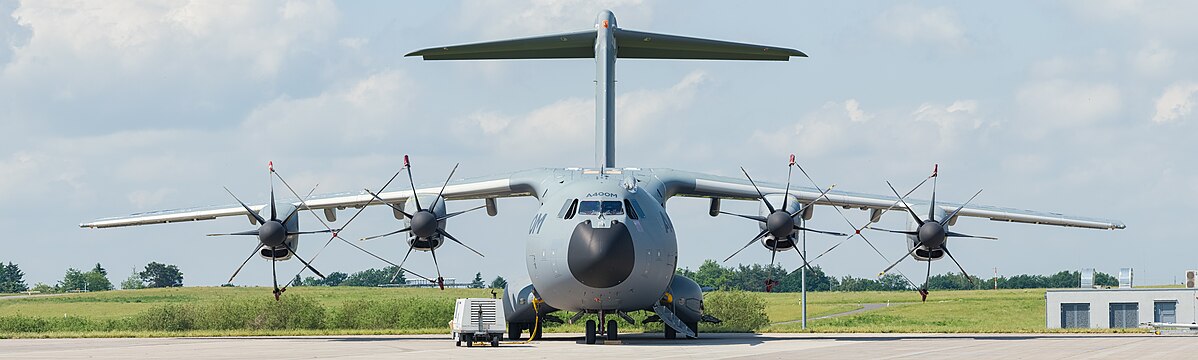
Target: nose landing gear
{"type": "Point", "coordinates": [594, 330]}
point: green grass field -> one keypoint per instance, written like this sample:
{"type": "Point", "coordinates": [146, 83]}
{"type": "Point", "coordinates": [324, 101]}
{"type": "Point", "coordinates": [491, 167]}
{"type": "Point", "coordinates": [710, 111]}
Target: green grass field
{"type": "Point", "coordinates": [355, 310]}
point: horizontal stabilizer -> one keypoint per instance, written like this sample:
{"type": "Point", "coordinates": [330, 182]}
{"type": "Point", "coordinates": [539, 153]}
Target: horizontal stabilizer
{"type": "Point", "coordinates": [644, 45]}
{"type": "Point", "coordinates": [629, 44]}
{"type": "Point", "coordinates": [560, 46]}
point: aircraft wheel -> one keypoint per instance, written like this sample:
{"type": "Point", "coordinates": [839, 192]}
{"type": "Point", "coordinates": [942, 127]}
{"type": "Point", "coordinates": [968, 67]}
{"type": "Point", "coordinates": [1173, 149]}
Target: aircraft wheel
{"type": "Point", "coordinates": [514, 331]}
{"type": "Point", "coordinates": [612, 333]}
{"type": "Point", "coordinates": [694, 327]}
{"type": "Point", "coordinates": [590, 335]}
{"type": "Point", "coordinates": [670, 333]}
{"type": "Point", "coordinates": [537, 330]}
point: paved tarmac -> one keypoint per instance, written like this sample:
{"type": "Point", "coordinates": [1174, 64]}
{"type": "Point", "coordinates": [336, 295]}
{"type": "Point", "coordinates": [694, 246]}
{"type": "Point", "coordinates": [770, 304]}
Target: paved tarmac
{"type": "Point", "coordinates": [641, 346]}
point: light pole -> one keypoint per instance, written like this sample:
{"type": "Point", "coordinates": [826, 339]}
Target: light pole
{"type": "Point", "coordinates": [803, 282]}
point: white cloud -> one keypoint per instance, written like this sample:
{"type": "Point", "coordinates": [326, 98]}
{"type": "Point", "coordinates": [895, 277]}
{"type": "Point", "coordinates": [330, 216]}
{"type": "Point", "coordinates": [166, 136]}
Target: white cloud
{"type": "Point", "coordinates": [913, 25]}
{"type": "Point", "coordinates": [855, 113]}
{"type": "Point", "coordinates": [1154, 59]}
{"type": "Point", "coordinates": [568, 125]}
{"type": "Point", "coordinates": [1176, 103]}
{"type": "Point", "coordinates": [536, 17]}
{"type": "Point", "coordinates": [372, 108]}
{"type": "Point", "coordinates": [1056, 103]}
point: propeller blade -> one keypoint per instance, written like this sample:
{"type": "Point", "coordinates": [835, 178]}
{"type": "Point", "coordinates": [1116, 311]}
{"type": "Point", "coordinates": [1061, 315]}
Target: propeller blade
{"type": "Point", "coordinates": [750, 217]}
{"type": "Point", "coordinates": [274, 273]}
{"type": "Point", "coordinates": [247, 260]}
{"type": "Point", "coordinates": [247, 208]}
{"type": "Point", "coordinates": [927, 278]}
{"type": "Point", "coordinates": [822, 194]}
{"type": "Point", "coordinates": [313, 232]}
{"type": "Point", "coordinates": [790, 169]}
{"type": "Point", "coordinates": [767, 202]}
{"type": "Point", "coordinates": [447, 178]}
{"type": "Point", "coordinates": [384, 235]}
{"type": "Point", "coordinates": [400, 266]}
{"type": "Point", "coordinates": [905, 256]}
{"type": "Point", "coordinates": [954, 213]}
{"type": "Point", "coordinates": [894, 231]}
{"type": "Point", "coordinates": [440, 280]}
{"type": "Point", "coordinates": [805, 263]}
{"type": "Point", "coordinates": [446, 234]}
{"type": "Point", "coordinates": [755, 238]}
{"type": "Point", "coordinates": [408, 165]}
{"type": "Point", "coordinates": [250, 232]}
{"type": "Point", "coordinates": [950, 256]}
{"type": "Point", "coordinates": [833, 233]}
{"type": "Point", "coordinates": [459, 213]}
{"type": "Point", "coordinates": [769, 281]}
{"type": "Point", "coordinates": [932, 208]}
{"type": "Point", "coordinates": [960, 235]}
{"type": "Point", "coordinates": [306, 264]}
{"type": "Point", "coordinates": [393, 206]}
{"type": "Point", "coordinates": [908, 207]}
{"type": "Point", "coordinates": [303, 203]}
{"type": "Point", "coordinates": [273, 214]}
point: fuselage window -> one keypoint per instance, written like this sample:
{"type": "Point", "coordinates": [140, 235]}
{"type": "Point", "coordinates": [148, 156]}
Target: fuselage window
{"type": "Point", "coordinates": [634, 207]}
{"type": "Point", "coordinates": [633, 213]}
{"type": "Point", "coordinates": [566, 208]}
{"type": "Point", "coordinates": [571, 209]}
{"type": "Point", "coordinates": [600, 208]}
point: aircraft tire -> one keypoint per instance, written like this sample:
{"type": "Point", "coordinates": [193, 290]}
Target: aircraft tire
{"type": "Point", "coordinates": [590, 332]}
{"type": "Point", "coordinates": [612, 332]}
{"type": "Point", "coordinates": [514, 331]}
{"type": "Point", "coordinates": [670, 333]}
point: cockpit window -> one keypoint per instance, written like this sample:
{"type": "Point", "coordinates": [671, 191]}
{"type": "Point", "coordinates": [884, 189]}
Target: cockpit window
{"type": "Point", "coordinates": [600, 208]}
{"type": "Point", "coordinates": [569, 209]}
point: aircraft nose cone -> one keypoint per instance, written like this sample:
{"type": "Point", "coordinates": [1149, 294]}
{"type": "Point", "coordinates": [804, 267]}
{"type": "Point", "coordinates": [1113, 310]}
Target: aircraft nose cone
{"type": "Point", "coordinates": [931, 234]}
{"type": "Point", "coordinates": [272, 234]}
{"type": "Point", "coordinates": [601, 258]}
{"type": "Point", "coordinates": [424, 224]}
{"type": "Point", "coordinates": [780, 224]}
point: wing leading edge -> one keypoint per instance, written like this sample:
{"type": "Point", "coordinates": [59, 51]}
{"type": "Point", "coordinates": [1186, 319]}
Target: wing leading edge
{"type": "Point", "coordinates": [682, 183]}
{"type": "Point", "coordinates": [508, 185]}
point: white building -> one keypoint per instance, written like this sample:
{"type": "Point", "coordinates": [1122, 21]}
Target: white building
{"type": "Point", "coordinates": [1119, 308]}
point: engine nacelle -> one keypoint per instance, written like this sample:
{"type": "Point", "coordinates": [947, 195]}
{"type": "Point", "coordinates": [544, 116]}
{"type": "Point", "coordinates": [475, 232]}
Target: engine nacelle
{"type": "Point", "coordinates": [436, 205]}
{"type": "Point", "coordinates": [685, 298]}
{"type": "Point", "coordinates": [518, 306]}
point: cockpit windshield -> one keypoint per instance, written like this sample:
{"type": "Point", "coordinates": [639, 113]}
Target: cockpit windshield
{"type": "Point", "coordinates": [601, 208]}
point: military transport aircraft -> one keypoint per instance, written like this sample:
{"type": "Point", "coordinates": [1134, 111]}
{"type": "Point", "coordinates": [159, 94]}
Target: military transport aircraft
{"type": "Point", "coordinates": [601, 242]}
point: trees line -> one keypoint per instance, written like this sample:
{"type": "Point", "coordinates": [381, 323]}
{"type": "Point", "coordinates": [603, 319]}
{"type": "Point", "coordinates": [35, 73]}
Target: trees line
{"type": "Point", "coordinates": [753, 277]}
{"type": "Point", "coordinates": [12, 279]}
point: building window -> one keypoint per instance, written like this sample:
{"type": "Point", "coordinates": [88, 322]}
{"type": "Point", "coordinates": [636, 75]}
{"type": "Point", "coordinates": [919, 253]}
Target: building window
{"type": "Point", "coordinates": [1125, 315]}
{"type": "Point", "coordinates": [1164, 312]}
{"type": "Point", "coordinates": [1075, 316]}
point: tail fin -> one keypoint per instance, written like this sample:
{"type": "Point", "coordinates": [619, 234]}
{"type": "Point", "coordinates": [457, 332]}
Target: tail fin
{"type": "Point", "coordinates": [605, 44]}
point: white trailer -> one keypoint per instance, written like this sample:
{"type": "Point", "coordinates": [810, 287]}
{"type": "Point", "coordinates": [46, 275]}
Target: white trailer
{"type": "Point", "coordinates": [478, 320]}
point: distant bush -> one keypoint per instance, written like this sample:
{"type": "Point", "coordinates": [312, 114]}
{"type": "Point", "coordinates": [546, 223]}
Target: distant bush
{"type": "Point", "coordinates": [292, 312]}
{"type": "Point", "coordinates": [740, 311]}
{"type": "Point", "coordinates": [401, 313]}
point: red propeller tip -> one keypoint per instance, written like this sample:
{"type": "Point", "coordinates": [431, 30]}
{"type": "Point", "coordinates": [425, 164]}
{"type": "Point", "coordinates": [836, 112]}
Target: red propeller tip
{"type": "Point", "coordinates": [271, 165]}
{"type": "Point", "coordinates": [935, 170]}
{"type": "Point", "coordinates": [792, 159]}
{"type": "Point", "coordinates": [406, 163]}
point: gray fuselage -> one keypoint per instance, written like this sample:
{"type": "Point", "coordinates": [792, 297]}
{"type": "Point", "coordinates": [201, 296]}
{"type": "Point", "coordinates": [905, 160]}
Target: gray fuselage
{"type": "Point", "coordinates": [601, 241]}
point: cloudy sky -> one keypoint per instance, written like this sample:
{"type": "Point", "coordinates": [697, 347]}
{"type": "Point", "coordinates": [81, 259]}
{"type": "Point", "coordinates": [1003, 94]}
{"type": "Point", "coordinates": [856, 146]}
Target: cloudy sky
{"type": "Point", "coordinates": [1080, 107]}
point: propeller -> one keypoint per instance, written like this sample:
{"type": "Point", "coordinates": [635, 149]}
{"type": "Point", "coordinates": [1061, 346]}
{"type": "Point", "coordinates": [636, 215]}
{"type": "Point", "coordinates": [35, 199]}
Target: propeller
{"type": "Point", "coordinates": [780, 224]}
{"type": "Point", "coordinates": [424, 223]}
{"type": "Point", "coordinates": [930, 234]}
{"type": "Point", "coordinates": [272, 233]}
{"type": "Point", "coordinates": [335, 235]}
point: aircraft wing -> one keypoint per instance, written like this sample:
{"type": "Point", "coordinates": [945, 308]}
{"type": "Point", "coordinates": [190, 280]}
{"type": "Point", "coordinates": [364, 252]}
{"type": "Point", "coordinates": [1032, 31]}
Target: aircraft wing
{"type": "Point", "coordinates": [506, 185]}
{"type": "Point", "coordinates": [682, 183]}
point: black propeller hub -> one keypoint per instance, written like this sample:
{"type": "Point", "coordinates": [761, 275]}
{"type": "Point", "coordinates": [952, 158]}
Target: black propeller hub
{"type": "Point", "coordinates": [272, 234]}
{"type": "Point", "coordinates": [424, 223]}
{"type": "Point", "coordinates": [780, 224]}
{"type": "Point", "coordinates": [932, 234]}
